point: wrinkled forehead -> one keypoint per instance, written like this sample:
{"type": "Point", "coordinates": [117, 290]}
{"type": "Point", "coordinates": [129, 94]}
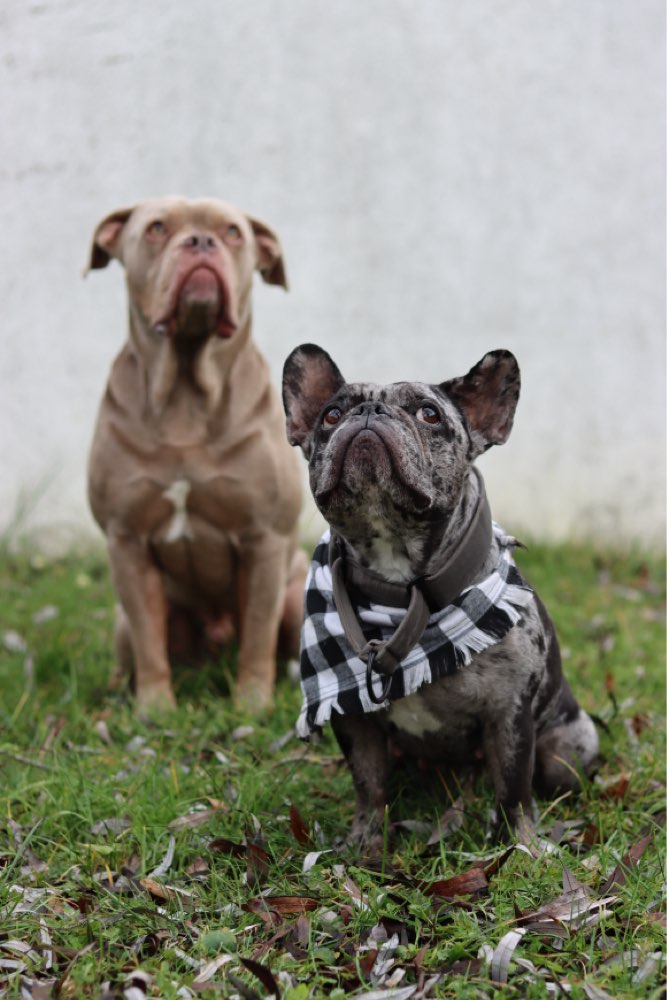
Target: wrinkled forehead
{"type": "Point", "coordinates": [205, 213]}
{"type": "Point", "coordinates": [402, 394]}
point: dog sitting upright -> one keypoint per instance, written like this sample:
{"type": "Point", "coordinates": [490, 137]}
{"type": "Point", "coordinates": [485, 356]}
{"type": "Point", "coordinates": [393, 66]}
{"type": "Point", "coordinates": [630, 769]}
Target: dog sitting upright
{"type": "Point", "coordinates": [419, 631]}
{"type": "Point", "coordinates": [190, 475]}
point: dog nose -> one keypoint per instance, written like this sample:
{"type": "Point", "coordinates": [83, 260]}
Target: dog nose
{"type": "Point", "coordinates": [371, 408]}
{"type": "Point", "coordinates": [199, 242]}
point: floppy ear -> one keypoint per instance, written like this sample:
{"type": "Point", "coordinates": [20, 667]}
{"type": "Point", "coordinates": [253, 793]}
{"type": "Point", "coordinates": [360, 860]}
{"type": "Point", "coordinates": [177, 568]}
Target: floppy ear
{"type": "Point", "coordinates": [270, 262]}
{"type": "Point", "coordinates": [487, 397]}
{"type": "Point", "coordinates": [106, 239]}
{"type": "Point", "coordinates": [310, 379]}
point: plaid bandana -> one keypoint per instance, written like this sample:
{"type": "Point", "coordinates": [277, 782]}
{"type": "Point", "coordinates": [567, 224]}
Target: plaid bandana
{"type": "Point", "coordinates": [334, 679]}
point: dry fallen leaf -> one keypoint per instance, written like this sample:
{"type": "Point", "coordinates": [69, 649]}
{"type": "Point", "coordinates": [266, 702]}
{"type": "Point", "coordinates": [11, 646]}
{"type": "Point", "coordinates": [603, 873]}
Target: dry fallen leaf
{"type": "Point", "coordinates": [385, 960]}
{"type": "Point", "coordinates": [466, 884]}
{"type": "Point", "coordinates": [210, 969]}
{"type": "Point", "coordinates": [576, 907]}
{"type": "Point", "coordinates": [258, 864]}
{"type": "Point", "coordinates": [402, 993]}
{"type": "Point", "coordinates": [502, 954]}
{"type": "Point", "coordinates": [163, 892]}
{"type": "Point", "coordinates": [242, 732]}
{"type": "Point", "coordinates": [14, 642]}
{"type": "Point", "coordinates": [649, 967]}
{"type": "Point", "coordinates": [102, 731]}
{"type": "Point", "coordinates": [256, 857]}
{"type": "Point", "coordinates": [451, 820]}
{"type": "Point", "coordinates": [165, 864]}
{"type": "Point", "coordinates": [299, 827]}
{"type": "Point", "coordinates": [595, 993]}
{"type": "Point", "coordinates": [615, 789]}
{"type": "Point", "coordinates": [155, 889]}
{"type": "Point", "coordinates": [354, 892]}
{"type": "Point", "coordinates": [45, 614]}
{"type": "Point", "coordinates": [198, 867]}
{"type": "Point", "coordinates": [33, 863]}
{"type": "Point", "coordinates": [192, 820]}
{"type": "Point", "coordinates": [281, 904]}
{"type": "Point", "coordinates": [112, 826]}
{"type": "Point", "coordinates": [264, 974]}
{"type": "Point", "coordinates": [221, 845]}
{"type": "Point", "coordinates": [312, 858]}
{"type": "Point", "coordinates": [629, 861]}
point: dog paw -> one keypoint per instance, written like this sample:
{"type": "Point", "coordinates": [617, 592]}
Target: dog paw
{"type": "Point", "coordinates": [515, 826]}
{"type": "Point", "coordinates": [254, 698]}
{"type": "Point", "coordinates": [524, 831]}
{"type": "Point", "coordinates": [155, 699]}
{"type": "Point", "coordinates": [367, 839]}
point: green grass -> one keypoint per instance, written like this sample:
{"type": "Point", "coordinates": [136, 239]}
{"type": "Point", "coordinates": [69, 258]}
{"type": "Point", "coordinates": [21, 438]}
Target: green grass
{"type": "Point", "coordinates": [80, 915]}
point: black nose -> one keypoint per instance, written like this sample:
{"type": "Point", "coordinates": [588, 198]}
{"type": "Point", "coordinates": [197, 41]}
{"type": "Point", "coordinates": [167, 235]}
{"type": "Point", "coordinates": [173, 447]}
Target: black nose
{"type": "Point", "coordinates": [200, 242]}
{"type": "Point", "coordinates": [371, 408]}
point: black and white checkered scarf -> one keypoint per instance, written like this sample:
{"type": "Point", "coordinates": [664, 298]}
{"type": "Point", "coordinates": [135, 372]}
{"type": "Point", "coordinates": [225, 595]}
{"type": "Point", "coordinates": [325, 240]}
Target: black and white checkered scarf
{"type": "Point", "coordinates": [334, 679]}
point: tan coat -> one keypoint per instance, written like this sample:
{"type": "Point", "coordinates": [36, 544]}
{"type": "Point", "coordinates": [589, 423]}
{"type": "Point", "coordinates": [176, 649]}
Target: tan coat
{"type": "Point", "coordinates": [191, 477]}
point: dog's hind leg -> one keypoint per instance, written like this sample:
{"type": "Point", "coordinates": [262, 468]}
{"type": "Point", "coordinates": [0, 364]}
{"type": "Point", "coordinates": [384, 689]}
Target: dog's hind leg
{"type": "Point", "coordinates": [292, 616]}
{"type": "Point", "coordinates": [564, 752]}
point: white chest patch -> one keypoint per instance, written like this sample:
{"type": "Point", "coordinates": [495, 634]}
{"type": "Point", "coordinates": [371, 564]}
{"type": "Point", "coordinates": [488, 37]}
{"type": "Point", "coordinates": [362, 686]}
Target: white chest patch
{"type": "Point", "coordinates": [386, 560]}
{"type": "Point", "coordinates": [411, 716]}
{"type": "Point", "coordinates": [179, 526]}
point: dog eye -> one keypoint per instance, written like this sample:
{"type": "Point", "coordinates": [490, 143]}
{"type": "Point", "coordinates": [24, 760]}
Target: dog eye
{"type": "Point", "coordinates": [428, 414]}
{"type": "Point", "coordinates": [332, 416]}
{"type": "Point", "coordinates": [233, 233]}
{"type": "Point", "coordinates": [156, 229]}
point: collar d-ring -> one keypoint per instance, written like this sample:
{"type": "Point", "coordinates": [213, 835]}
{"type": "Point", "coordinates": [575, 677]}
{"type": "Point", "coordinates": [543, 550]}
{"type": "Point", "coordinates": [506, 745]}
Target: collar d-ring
{"type": "Point", "coordinates": [384, 694]}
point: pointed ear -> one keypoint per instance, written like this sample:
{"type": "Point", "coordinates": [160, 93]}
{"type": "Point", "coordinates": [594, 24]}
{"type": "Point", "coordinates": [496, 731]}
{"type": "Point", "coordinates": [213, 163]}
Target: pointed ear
{"type": "Point", "coordinates": [487, 397]}
{"type": "Point", "coordinates": [106, 239]}
{"type": "Point", "coordinates": [270, 263]}
{"type": "Point", "coordinates": [310, 379]}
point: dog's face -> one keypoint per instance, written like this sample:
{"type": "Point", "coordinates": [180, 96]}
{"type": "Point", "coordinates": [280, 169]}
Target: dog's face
{"type": "Point", "coordinates": [387, 463]}
{"type": "Point", "coordinates": [189, 264]}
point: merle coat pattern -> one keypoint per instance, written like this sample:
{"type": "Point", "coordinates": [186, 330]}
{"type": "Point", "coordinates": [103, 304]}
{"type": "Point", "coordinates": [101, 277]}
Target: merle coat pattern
{"type": "Point", "coordinates": [391, 471]}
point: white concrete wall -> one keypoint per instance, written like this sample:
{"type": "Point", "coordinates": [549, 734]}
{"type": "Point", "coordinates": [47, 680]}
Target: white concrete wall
{"type": "Point", "coordinates": [446, 177]}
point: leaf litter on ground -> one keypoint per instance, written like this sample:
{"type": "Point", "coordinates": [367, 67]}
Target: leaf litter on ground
{"type": "Point", "coordinates": [256, 870]}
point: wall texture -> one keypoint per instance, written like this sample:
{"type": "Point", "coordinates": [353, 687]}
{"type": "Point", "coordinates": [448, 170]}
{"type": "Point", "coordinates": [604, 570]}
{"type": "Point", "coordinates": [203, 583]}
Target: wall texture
{"type": "Point", "coordinates": [446, 178]}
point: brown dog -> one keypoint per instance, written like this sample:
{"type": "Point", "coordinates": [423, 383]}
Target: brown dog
{"type": "Point", "coordinates": [191, 477]}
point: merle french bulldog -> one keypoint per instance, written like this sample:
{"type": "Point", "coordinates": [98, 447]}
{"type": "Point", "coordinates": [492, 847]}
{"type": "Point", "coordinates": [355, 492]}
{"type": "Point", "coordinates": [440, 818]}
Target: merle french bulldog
{"type": "Point", "coordinates": [420, 636]}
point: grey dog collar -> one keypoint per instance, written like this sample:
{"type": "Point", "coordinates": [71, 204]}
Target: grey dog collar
{"type": "Point", "coordinates": [435, 591]}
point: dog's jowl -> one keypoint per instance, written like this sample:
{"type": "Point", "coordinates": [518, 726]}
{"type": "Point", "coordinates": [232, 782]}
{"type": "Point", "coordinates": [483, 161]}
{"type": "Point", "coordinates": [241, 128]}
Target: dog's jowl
{"type": "Point", "coordinates": [420, 635]}
{"type": "Point", "coordinates": [190, 476]}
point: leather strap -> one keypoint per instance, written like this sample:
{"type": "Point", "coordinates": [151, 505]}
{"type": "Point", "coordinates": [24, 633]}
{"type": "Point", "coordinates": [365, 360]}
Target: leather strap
{"type": "Point", "coordinates": [420, 597]}
{"type": "Point", "coordinates": [390, 652]}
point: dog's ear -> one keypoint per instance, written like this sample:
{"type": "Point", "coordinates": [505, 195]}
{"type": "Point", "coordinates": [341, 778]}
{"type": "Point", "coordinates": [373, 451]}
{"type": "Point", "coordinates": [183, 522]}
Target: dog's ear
{"type": "Point", "coordinates": [310, 379]}
{"type": "Point", "coordinates": [106, 239]}
{"type": "Point", "coordinates": [270, 263]}
{"type": "Point", "coordinates": [487, 397]}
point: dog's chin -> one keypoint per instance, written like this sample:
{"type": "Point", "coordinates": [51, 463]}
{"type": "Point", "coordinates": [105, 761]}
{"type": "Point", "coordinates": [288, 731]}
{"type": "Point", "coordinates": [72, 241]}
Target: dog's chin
{"type": "Point", "coordinates": [369, 498]}
{"type": "Point", "coordinates": [200, 310]}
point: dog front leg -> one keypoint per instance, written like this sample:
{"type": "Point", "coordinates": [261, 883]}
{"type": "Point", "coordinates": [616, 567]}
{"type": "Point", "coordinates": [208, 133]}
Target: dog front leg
{"type": "Point", "coordinates": [140, 590]}
{"type": "Point", "coordinates": [364, 746]}
{"type": "Point", "coordinates": [261, 582]}
{"type": "Point", "coordinates": [509, 747]}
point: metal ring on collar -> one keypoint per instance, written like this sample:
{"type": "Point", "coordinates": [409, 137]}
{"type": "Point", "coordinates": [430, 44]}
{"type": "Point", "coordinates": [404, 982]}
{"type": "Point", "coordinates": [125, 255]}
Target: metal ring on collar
{"type": "Point", "coordinates": [384, 694]}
